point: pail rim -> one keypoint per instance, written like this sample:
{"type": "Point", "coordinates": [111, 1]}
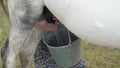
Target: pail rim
{"type": "Point", "coordinates": [61, 46]}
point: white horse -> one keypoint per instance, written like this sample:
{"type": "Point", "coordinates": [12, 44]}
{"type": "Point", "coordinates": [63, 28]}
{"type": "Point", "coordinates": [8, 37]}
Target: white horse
{"type": "Point", "coordinates": [96, 21]}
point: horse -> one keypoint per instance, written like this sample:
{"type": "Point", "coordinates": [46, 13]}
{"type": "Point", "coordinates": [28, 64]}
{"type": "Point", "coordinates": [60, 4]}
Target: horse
{"type": "Point", "coordinates": [96, 22]}
{"type": "Point", "coordinates": [22, 27]}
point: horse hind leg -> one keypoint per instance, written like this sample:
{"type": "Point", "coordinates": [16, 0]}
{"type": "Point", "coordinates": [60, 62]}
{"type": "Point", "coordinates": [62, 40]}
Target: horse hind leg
{"type": "Point", "coordinates": [25, 60]}
{"type": "Point", "coordinates": [19, 38]}
{"type": "Point", "coordinates": [27, 51]}
{"type": "Point", "coordinates": [16, 41]}
{"type": "Point", "coordinates": [23, 16]}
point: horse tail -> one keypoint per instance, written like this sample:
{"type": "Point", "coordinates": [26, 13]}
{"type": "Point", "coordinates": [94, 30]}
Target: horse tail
{"type": "Point", "coordinates": [3, 7]}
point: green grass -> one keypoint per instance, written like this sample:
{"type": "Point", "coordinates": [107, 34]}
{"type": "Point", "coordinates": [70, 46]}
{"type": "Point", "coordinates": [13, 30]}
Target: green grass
{"type": "Point", "coordinates": [94, 56]}
{"type": "Point", "coordinates": [99, 57]}
{"type": "Point", "coordinates": [4, 30]}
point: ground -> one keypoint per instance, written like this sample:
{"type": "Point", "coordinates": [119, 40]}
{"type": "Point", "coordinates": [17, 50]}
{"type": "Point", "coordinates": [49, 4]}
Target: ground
{"type": "Point", "coordinates": [94, 56]}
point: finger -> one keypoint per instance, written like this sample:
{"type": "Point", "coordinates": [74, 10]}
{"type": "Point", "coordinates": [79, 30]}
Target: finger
{"type": "Point", "coordinates": [50, 25]}
{"type": "Point", "coordinates": [38, 27]}
{"type": "Point", "coordinates": [45, 27]}
{"type": "Point", "coordinates": [57, 23]}
{"type": "Point", "coordinates": [45, 23]}
{"type": "Point", "coordinates": [50, 29]}
{"type": "Point", "coordinates": [54, 18]}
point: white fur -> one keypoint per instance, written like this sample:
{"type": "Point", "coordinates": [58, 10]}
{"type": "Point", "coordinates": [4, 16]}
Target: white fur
{"type": "Point", "coordinates": [23, 38]}
{"type": "Point", "coordinates": [95, 21]}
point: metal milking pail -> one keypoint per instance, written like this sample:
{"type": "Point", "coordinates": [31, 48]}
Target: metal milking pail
{"type": "Point", "coordinates": [68, 55]}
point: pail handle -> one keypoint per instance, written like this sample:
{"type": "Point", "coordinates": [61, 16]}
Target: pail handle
{"type": "Point", "coordinates": [59, 39]}
{"type": "Point", "coordinates": [69, 37]}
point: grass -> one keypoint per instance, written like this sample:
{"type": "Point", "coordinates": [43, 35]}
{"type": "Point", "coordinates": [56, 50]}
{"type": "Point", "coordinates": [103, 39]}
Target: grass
{"type": "Point", "coordinates": [99, 57]}
{"type": "Point", "coordinates": [94, 56]}
{"type": "Point", "coordinates": [4, 30]}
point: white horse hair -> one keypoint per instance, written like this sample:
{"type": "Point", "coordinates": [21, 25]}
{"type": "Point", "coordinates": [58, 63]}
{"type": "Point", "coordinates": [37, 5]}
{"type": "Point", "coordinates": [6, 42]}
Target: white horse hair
{"type": "Point", "coordinates": [23, 37]}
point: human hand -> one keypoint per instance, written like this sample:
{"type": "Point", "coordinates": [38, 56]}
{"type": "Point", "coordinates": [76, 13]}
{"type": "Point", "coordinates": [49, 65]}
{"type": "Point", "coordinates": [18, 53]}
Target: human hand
{"type": "Point", "coordinates": [45, 26]}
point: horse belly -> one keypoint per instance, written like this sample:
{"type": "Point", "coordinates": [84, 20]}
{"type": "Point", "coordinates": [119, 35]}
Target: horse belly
{"type": "Point", "coordinates": [96, 21]}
